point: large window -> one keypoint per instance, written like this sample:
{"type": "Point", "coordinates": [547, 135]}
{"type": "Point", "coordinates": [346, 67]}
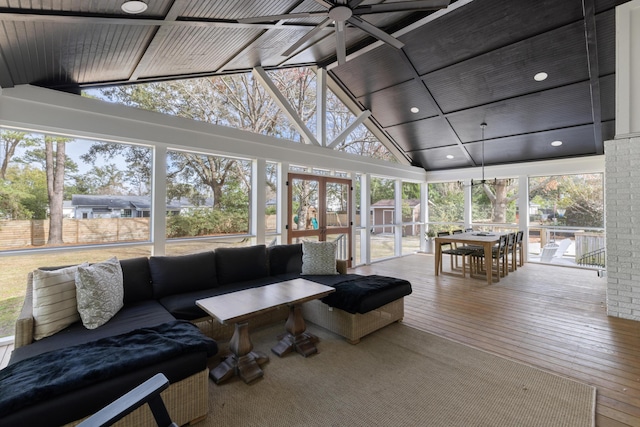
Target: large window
{"type": "Point", "coordinates": [446, 206]}
{"type": "Point", "coordinates": [494, 204]}
{"type": "Point", "coordinates": [382, 218]}
{"type": "Point", "coordinates": [411, 226]}
{"type": "Point", "coordinates": [566, 219]}
{"type": "Point", "coordinates": [207, 196]}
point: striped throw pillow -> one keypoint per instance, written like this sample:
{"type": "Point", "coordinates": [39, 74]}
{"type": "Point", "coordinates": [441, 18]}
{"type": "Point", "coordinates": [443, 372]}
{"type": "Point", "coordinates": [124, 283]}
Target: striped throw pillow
{"type": "Point", "coordinates": [54, 301]}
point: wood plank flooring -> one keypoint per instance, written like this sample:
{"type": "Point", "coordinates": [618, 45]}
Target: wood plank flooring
{"type": "Point", "coordinates": [550, 317]}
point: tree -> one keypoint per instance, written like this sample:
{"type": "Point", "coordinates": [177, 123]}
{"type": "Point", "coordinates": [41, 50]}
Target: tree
{"type": "Point", "coordinates": [55, 166]}
{"type": "Point", "coordinates": [9, 142]}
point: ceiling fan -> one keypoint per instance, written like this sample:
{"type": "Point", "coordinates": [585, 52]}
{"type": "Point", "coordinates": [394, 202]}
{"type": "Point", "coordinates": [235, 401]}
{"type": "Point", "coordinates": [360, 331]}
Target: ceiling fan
{"type": "Point", "coordinates": [342, 12]}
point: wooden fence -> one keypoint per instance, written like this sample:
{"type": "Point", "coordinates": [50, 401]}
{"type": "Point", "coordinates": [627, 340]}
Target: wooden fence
{"type": "Point", "coordinates": [34, 233]}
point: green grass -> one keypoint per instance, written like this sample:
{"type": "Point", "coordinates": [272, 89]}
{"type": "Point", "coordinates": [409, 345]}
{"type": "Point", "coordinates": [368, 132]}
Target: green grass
{"type": "Point", "coordinates": [9, 310]}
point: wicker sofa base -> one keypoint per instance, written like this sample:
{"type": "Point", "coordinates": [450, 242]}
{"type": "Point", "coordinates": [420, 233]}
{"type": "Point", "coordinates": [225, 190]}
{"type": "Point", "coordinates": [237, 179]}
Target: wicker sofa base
{"type": "Point", "coordinates": [187, 402]}
{"type": "Point", "coordinates": [352, 326]}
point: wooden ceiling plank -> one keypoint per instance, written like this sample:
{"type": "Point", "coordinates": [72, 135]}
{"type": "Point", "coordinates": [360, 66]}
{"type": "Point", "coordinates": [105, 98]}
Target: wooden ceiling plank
{"type": "Point", "coordinates": [177, 8]}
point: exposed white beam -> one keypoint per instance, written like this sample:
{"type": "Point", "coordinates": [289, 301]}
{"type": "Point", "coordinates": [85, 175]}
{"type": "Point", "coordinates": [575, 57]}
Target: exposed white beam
{"type": "Point", "coordinates": [357, 122]}
{"type": "Point", "coordinates": [321, 106]}
{"type": "Point", "coordinates": [261, 76]}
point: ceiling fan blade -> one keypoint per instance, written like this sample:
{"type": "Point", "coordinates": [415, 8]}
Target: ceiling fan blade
{"type": "Point", "coordinates": [375, 32]}
{"type": "Point", "coordinates": [341, 46]}
{"type": "Point", "coordinates": [403, 6]}
{"type": "Point", "coordinates": [325, 3]}
{"type": "Point", "coordinates": [297, 15]}
{"type": "Point", "coordinates": [307, 37]}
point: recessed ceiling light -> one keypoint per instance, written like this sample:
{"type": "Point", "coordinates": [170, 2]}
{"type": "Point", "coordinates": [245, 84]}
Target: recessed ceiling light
{"type": "Point", "coordinates": [133, 6]}
{"type": "Point", "coordinates": [540, 77]}
{"type": "Point", "coordinates": [415, 110]}
{"type": "Point", "coordinates": [449, 156]}
{"type": "Point", "coordinates": [556, 143]}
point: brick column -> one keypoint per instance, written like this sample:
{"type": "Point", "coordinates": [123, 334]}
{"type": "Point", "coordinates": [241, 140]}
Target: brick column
{"type": "Point", "coordinates": [622, 213]}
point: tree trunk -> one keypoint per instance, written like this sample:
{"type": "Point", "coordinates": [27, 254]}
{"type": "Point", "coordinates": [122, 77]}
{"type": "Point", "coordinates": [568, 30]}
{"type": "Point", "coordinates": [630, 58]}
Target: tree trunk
{"type": "Point", "coordinates": [500, 201]}
{"type": "Point", "coordinates": [55, 189]}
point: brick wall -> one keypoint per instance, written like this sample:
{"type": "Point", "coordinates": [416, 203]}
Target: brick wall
{"type": "Point", "coordinates": [622, 209]}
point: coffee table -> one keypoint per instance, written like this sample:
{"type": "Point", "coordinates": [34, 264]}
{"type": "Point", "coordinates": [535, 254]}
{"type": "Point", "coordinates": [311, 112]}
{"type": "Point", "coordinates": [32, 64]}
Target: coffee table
{"type": "Point", "coordinates": [238, 307]}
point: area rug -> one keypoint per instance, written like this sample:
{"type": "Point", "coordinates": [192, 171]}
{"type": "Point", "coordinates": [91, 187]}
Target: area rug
{"type": "Point", "coordinates": [398, 376]}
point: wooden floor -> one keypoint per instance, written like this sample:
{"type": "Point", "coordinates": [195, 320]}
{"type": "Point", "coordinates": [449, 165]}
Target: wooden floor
{"type": "Point", "coordinates": [550, 317]}
{"type": "Point", "coordinates": [546, 316]}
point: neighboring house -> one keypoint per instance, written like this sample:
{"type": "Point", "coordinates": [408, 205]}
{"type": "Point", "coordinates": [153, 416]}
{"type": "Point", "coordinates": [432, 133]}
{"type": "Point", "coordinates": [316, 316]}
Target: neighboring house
{"type": "Point", "coordinates": [90, 206]}
{"type": "Point", "coordinates": [383, 216]}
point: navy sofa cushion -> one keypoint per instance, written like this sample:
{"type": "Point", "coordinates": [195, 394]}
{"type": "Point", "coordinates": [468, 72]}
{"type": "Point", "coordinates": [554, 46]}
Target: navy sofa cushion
{"type": "Point", "coordinates": [235, 265]}
{"type": "Point", "coordinates": [136, 278]}
{"type": "Point", "coordinates": [285, 259]}
{"type": "Point", "coordinates": [132, 316]}
{"type": "Point", "coordinates": [185, 273]}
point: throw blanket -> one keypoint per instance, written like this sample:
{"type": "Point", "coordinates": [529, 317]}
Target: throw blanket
{"type": "Point", "coordinates": [350, 293]}
{"type": "Point", "coordinates": [56, 372]}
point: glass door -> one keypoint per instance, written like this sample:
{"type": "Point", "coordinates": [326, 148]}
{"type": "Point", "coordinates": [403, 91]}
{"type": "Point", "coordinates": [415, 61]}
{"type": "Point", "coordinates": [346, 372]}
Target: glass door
{"type": "Point", "coordinates": [319, 210]}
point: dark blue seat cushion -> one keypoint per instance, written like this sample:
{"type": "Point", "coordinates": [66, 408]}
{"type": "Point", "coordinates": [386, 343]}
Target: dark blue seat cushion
{"type": "Point", "coordinates": [132, 316]}
{"type": "Point", "coordinates": [172, 275]}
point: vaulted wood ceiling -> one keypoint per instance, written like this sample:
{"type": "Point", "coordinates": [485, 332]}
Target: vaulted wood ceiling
{"type": "Point", "coordinates": [473, 62]}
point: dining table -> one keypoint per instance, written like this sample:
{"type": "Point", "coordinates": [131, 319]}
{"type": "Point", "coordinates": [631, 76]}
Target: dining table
{"type": "Point", "coordinates": [486, 240]}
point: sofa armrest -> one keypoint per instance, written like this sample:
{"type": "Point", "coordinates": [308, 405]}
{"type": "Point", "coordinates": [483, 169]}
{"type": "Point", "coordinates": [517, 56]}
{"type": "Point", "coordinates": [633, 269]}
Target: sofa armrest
{"type": "Point", "coordinates": [25, 322]}
{"type": "Point", "coordinates": [341, 266]}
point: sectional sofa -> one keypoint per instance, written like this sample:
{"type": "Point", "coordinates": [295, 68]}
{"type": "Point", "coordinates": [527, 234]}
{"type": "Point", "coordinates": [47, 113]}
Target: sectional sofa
{"type": "Point", "coordinates": [160, 291]}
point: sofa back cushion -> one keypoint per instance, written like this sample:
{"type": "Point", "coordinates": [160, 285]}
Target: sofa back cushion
{"type": "Point", "coordinates": [284, 259]}
{"type": "Point", "coordinates": [136, 279]}
{"type": "Point", "coordinates": [235, 265]}
{"type": "Point", "coordinates": [172, 275]}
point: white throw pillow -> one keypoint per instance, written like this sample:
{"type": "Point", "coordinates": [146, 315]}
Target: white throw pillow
{"type": "Point", "coordinates": [318, 258]}
{"type": "Point", "coordinates": [100, 292]}
{"type": "Point", "coordinates": [54, 301]}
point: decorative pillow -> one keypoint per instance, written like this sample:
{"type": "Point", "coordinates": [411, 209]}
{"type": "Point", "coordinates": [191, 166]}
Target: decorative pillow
{"type": "Point", "coordinates": [318, 258]}
{"type": "Point", "coordinates": [100, 292]}
{"type": "Point", "coordinates": [54, 300]}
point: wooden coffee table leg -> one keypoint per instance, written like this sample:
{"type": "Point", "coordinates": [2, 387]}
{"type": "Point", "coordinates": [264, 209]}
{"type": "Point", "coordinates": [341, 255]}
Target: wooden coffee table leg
{"type": "Point", "coordinates": [242, 361]}
{"type": "Point", "coordinates": [296, 338]}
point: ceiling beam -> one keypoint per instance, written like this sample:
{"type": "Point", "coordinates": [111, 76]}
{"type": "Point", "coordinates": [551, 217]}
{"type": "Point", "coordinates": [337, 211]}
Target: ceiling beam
{"type": "Point", "coordinates": [343, 135]}
{"type": "Point", "coordinates": [261, 76]}
{"type": "Point", "coordinates": [588, 9]}
{"type": "Point", "coordinates": [103, 20]}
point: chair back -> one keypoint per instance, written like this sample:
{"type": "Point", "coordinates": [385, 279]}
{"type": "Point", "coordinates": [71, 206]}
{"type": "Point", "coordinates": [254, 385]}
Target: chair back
{"type": "Point", "coordinates": [441, 234]}
{"type": "Point", "coordinates": [519, 236]}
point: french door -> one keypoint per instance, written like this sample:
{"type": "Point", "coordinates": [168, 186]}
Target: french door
{"type": "Point", "coordinates": [320, 210]}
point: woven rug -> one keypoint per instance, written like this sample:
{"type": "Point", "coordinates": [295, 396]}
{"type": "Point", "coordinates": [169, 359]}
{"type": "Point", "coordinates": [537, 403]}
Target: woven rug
{"type": "Point", "coordinates": [398, 376]}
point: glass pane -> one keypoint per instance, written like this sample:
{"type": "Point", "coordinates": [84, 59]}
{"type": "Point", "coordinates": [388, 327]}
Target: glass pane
{"type": "Point", "coordinates": [566, 214]}
{"type": "Point", "coordinates": [382, 217]}
{"type": "Point", "coordinates": [185, 247]}
{"type": "Point", "coordinates": [99, 193]}
{"type": "Point", "coordinates": [207, 195]}
{"type": "Point", "coordinates": [271, 190]}
{"type": "Point", "coordinates": [495, 202]}
{"type": "Point", "coordinates": [304, 204]}
{"type": "Point", "coordinates": [446, 202]}
{"type": "Point", "coordinates": [337, 204]}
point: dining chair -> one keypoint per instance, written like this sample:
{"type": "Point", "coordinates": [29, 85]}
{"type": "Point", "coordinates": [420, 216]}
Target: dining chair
{"type": "Point", "coordinates": [511, 252]}
{"type": "Point", "coordinates": [498, 259]}
{"type": "Point", "coordinates": [453, 252]}
{"type": "Point", "coordinates": [520, 248]}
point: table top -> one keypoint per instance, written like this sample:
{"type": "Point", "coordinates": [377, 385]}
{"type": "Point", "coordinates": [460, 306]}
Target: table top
{"type": "Point", "coordinates": [238, 306]}
{"type": "Point", "coordinates": [471, 237]}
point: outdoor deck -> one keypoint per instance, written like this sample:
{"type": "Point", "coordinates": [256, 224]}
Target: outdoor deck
{"type": "Point", "coordinates": [551, 317]}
